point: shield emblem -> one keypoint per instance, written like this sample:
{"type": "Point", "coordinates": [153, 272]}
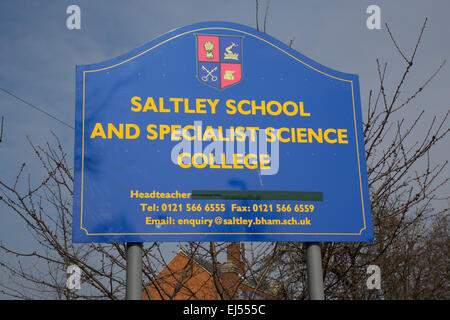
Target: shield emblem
{"type": "Point", "coordinates": [219, 60]}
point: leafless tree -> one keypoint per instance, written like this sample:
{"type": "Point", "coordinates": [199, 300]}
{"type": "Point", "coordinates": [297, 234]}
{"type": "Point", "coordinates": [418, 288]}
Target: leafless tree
{"type": "Point", "coordinates": [411, 244]}
{"type": "Point", "coordinates": [46, 209]}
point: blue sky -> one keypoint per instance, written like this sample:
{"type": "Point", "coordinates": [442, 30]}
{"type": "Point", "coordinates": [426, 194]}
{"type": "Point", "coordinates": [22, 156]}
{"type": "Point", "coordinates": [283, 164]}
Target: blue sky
{"type": "Point", "coordinates": [38, 57]}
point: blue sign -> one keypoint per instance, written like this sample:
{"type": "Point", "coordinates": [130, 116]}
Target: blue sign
{"type": "Point", "coordinates": [218, 132]}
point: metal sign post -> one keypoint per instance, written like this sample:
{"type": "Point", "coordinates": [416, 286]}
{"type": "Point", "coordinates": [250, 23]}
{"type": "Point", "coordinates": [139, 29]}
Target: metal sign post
{"type": "Point", "coordinates": [314, 271]}
{"type": "Point", "coordinates": [134, 271]}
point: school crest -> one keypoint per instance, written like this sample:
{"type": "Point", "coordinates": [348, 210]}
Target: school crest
{"type": "Point", "coordinates": [219, 60]}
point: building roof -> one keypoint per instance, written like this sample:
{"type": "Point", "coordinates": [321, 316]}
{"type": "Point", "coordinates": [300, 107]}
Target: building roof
{"type": "Point", "coordinates": [200, 284]}
{"type": "Point", "coordinates": [229, 267]}
{"type": "Point", "coordinates": [205, 264]}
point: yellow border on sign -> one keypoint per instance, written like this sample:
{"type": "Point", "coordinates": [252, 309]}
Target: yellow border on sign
{"type": "Point", "coordinates": [202, 233]}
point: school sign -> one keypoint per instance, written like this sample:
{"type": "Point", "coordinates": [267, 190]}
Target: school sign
{"type": "Point", "coordinates": [218, 132]}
